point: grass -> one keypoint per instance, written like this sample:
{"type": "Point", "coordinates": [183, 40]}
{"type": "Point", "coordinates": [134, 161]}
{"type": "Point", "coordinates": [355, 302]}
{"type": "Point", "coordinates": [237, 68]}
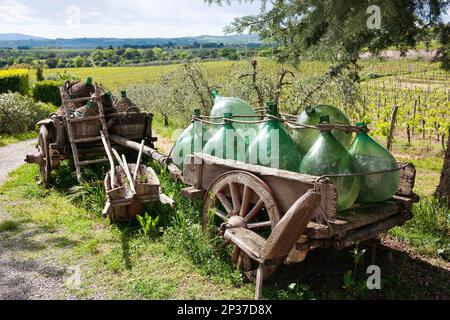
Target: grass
{"type": "Point", "coordinates": [11, 139]}
{"type": "Point", "coordinates": [118, 78]}
{"type": "Point", "coordinates": [429, 231]}
{"type": "Point", "coordinates": [126, 264]}
{"type": "Point", "coordinates": [120, 262]}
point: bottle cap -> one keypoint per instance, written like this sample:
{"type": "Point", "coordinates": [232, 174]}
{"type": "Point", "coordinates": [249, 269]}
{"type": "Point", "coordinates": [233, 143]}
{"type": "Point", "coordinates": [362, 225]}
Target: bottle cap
{"type": "Point", "coordinates": [197, 112]}
{"type": "Point", "coordinates": [214, 93]}
{"type": "Point", "coordinates": [228, 115]}
{"type": "Point", "coordinates": [361, 124]}
{"type": "Point", "coordinates": [123, 94]}
{"type": "Point", "coordinates": [310, 110]}
{"type": "Point", "coordinates": [273, 109]}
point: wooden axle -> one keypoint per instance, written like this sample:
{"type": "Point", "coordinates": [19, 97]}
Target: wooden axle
{"type": "Point", "coordinates": [152, 153]}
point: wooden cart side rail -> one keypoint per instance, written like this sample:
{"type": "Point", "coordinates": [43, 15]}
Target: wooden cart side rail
{"type": "Point", "coordinates": [201, 170]}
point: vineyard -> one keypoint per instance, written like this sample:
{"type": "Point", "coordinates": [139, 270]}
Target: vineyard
{"type": "Point", "coordinates": [405, 103]}
{"type": "Point", "coordinates": [416, 91]}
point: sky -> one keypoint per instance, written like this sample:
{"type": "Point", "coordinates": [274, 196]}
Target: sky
{"type": "Point", "coordinates": [119, 19]}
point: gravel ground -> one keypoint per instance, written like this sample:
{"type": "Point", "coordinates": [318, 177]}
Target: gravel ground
{"type": "Point", "coordinates": [22, 278]}
{"type": "Point", "coordinates": [13, 156]}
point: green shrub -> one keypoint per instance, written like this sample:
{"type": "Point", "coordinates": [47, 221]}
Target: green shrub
{"type": "Point", "coordinates": [14, 81]}
{"type": "Point", "coordinates": [20, 113]}
{"type": "Point", "coordinates": [48, 92]}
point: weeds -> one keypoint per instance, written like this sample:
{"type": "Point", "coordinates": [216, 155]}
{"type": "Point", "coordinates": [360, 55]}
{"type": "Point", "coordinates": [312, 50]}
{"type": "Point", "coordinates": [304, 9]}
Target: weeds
{"type": "Point", "coordinates": [89, 195]}
{"type": "Point", "coordinates": [429, 230]}
{"type": "Point", "coordinates": [355, 286]}
{"type": "Point", "coordinates": [149, 226]}
{"type": "Point", "coordinates": [8, 225]}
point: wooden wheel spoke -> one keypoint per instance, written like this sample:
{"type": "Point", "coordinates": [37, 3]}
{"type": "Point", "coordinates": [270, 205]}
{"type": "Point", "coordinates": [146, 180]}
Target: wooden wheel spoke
{"type": "Point", "coordinates": [247, 263]}
{"type": "Point", "coordinates": [245, 201]}
{"type": "Point", "coordinates": [220, 214]}
{"type": "Point", "coordinates": [235, 196]}
{"type": "Point", "coordinates": [235, 254]}
{"type": "Point", "coordinates": [253, 213]}
{"type": "Point", "coordinates": [259, 224]}
{"type": "Point", "coordinates": [225, 202]}
{"type": "Point", "coordinates": [240, 262]}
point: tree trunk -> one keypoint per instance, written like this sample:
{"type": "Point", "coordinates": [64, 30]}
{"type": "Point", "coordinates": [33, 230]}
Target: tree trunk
{"type": "Point", "coordinates": [443, 190]}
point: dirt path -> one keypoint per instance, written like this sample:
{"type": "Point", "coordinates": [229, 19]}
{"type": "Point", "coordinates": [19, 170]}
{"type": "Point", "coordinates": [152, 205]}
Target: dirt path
{"type": "Point", "coordinates": [13, 156]}
{"type": "Point", "coordinates": [23, 278]}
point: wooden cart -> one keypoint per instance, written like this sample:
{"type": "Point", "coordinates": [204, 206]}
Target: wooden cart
{"type": "Point", "coordinates": [63, 137]}
{"type": "Point", "coordinates": [273, 216]}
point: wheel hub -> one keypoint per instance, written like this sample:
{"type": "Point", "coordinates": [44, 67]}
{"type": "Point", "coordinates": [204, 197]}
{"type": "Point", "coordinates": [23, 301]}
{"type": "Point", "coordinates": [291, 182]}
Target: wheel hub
{"type": "Point", "coordinates": [234, 222]}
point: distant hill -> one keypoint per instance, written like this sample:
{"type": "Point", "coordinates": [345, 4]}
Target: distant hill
{"type": "Point", "coordinates": [89, 43]}
{"type": "Point", "coordinates": [18, 37]}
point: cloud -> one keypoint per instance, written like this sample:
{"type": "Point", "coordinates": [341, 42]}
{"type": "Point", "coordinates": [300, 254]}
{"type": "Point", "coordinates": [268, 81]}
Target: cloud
{"type": "Point", "coordinates": [117, 18]}
{"type": "Point", "coordinates": [15, 12]}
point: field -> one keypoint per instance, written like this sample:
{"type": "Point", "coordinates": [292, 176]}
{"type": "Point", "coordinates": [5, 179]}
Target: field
{"type": "Point", "coordinates": [124, 262]}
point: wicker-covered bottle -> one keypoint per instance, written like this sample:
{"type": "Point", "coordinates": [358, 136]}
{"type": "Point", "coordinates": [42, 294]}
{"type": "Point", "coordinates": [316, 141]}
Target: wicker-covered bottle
{"type": "Point", "coordinates": [124, 104]}
{"type": "Point", "coordinates": [82, 89]}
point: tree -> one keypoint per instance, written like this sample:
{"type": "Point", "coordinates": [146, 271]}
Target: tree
{"type": "Point", "coordinates": [443, 190]}
{"type": "Point", "coordinates": [342, 28]}
{"type": "Point", "coordinates": [39, 72]}
{"type": "Point", "coordinates": [78, 61]}
{"type": "Point", "coordinates": [51, 63]}
{"type": "Point", "coordinates": [131, 54]}
{"type": "Point", "coordinates": [339, 30]}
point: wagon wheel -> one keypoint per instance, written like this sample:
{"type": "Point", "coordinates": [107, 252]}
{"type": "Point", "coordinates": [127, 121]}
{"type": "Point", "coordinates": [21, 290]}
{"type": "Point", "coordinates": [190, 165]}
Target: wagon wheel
{"type": "Point", "coordinates": [44, 149]}
{"type": "Point", "coordinates": [244, 200]}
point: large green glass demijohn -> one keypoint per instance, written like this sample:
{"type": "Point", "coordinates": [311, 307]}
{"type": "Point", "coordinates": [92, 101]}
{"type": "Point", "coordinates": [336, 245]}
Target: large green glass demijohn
{"type": "Point", "coordinates": [238, 108]}
{"type": "Point", "coordinates": [372, 157]}
{"type": "Point", "coordinates": [305, 138]}
{"type": "Point", "coordinates": [227, 143]}
{"type": "Point", "coordinates": [274, 146]}
{"type": "Point", "coordinates": [328, 157]}
{"type": "Point", "coordinates": [191, 140]}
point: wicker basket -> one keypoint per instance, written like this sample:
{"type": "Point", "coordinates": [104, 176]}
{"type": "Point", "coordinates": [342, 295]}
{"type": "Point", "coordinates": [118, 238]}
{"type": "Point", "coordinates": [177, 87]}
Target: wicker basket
{"type": "Point", "coordinates": [86, 129]}
{"type": "Point", "coordinates": [132, 126]}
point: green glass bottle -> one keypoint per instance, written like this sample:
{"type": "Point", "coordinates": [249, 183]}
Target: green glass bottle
{"type": "Point", "coordinates": [237, 107]}
{"type": "Point", "coordinates": [192, 140]}
{"type": "Point", "coordinates": [305, 138]}
{"type": "Point", "coordinates": [274, 146]}
{"type": "Point", "coordinates": [327, 157]}
{"type": "Point", "coordinates": [226, 143]}
{"type": "Point", "coordinates": [372, 157]}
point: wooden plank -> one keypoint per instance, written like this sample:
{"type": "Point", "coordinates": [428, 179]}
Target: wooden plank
{"type": "Point", "coordinates": [357, 217]}
{"type": "Point", "coordinates": [407, 180]}
{"type": "Point", "coordinates": [193, 193]}
{"type": "Point", "coordinates": [85, 119]}
{"type": "Point", "coordinates": [368, 232]}
{"type": "Point", "coordinates": [291, 226]}
{"type": "Point", "coordinates": [287, 187]}
{"type": "Point", "coordinates": [86, 140]}
{"type": "Point", "coordinates": [96, 161]}
{"type": "Point", "coordinates": [248, 241]}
